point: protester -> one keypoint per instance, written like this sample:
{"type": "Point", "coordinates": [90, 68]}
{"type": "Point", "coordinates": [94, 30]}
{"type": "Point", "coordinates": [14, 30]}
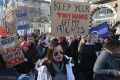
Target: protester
{"type": "Point", "coordinates": [106, 67]}
{"type": "Point", "coordinates": [27, 66]}
{"type": "Point", "coordinates": [55, 66]}
{"type": "Point", "coordinates": [24, 77]}
{"type": "Point", "coordinates": [113, 34]}
{"type": "Point", "coordinates": [32, 49]}
{"type": "Point", "coordinates": [87, 53]}
{"type": "Point", "coordinates": [41, 48]}
{"type": "Point", "coordinates": [63, 43]}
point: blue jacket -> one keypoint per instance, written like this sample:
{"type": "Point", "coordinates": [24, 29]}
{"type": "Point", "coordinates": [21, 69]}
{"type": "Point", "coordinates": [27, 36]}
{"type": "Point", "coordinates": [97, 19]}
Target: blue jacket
{"type": "Point", "coordinates": [40, 51]}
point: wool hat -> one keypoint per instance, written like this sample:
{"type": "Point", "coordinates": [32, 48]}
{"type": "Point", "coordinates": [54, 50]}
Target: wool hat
{"type": "Point", "coordinates": [24, 77]}
{"type": "Point", "coordinates": [25, 44]}
{"type": "Point", "coordinates": [54, 41]}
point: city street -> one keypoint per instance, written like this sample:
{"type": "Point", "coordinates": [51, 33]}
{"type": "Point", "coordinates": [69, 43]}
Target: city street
{"type": "Point", "coordinates": [59, 39]}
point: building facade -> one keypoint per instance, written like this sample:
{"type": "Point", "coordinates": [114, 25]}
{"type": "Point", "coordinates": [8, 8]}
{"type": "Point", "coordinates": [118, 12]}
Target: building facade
{"type": "Point", "coordinates": [106, 12]}
{"type": "Point", "coordinates": [38, 15]}
{"type": "Point", "coordinates": [38, 12]}
{"type": "Point", "coordinates": [10, 16]}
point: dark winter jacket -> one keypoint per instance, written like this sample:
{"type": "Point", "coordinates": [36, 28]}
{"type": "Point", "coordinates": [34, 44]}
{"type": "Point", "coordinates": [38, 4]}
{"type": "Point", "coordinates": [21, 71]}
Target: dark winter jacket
{"type": "Point", "coordinates": [40, 52]}
{"type": "Point", "coordinates": [88, 58]}
{"type": "Point", "coordinates": [105, 66]}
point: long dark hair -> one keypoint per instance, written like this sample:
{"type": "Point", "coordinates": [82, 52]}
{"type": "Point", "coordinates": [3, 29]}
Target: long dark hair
{"type": "Point", "coordinates": [49, 59]}
{"type": "Point", "coordinates": [112, 44]}
{"type": "Point", "coordinates": [49, 55]}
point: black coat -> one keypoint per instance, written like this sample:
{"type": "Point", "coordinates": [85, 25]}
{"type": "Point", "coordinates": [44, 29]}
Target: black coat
{"type": "Point", "coordinates": [88, 58]}
{"type": "Point", "coordinates": [105, 66]}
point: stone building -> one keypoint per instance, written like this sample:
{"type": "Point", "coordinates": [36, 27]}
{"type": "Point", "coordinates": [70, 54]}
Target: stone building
{"type": "Point", "coordinates": [10, 14]}
{"type": "Point", "coordinates": [104, 11]}
{"type": "Point", "coordinates": [38, 12]}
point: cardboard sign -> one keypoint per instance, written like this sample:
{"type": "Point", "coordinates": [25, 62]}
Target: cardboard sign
{"type": "Point", "coordinates": [12, 53]}
{"type": "Point", "coordinates": [12, 56]}
{"type": "Point", "coordinates": [3, 31]}
{"type": "Point", "coordinates": [102, 30]}
{"type": "Point", "coordinates": [70, 18]}
{"type": "Point", "coordinates": [9, 42]}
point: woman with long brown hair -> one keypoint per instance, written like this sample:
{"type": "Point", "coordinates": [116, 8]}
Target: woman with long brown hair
{"type": "Point", "coordinates": [55, 66]}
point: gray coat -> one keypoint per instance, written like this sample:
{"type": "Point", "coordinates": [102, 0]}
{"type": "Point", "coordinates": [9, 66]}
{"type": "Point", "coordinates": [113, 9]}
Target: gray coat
{"type": "Point", "coordinates": [105, 66]}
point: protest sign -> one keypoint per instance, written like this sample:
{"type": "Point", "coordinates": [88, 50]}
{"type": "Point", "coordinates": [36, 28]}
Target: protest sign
{"type": "Point", "coordinates": [70, 18]}
{"type": "Point", "coordinates": [12, 56]}
{"type": "Point", "coordinates": [22, 19]}
{"type": "Point", "coordinates": [9, 42]}
{"type": "Point", "coordinates": [102, 30]}
{"type": "Point", "coordinates": [3, 31]}
{"type": "Point", "coordinates": [12, 52]}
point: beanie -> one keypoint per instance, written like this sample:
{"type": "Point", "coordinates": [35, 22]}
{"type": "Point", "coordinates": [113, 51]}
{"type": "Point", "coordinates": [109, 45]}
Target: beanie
{"type": "Point", "coordinates": [24, 77]}
{"type": "Point", "coordinates": [25, 44]}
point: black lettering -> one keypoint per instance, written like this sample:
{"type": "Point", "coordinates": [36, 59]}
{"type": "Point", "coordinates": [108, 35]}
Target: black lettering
{"type": "Point", "coordinates": [61, 6]}
{"type": "Point", "coordinates": [76, 8]}
{"type": "Point", "coordinates": [87, 8]}
{"type": "Point", "coordinates": [59, 29]}
{"type": "Point", "coordinates": [56, 6]}
{"type": "Point", "coordinates": [69, 6]}
{"type": "Point", "coordinates": [65, 22]}
{"type": "Point", "coordinates": [73, 30]}
{"type": "Point", "coordinates": [75, 22]}
{"type": "Point", "coordinates": [82, 8]}
{"type": "Point", "coordinates": [7, 40]}
{"type": "Point", "coordinates": [64, 6]}
{"type": "Point", "coordinates": [17, 54]}
{"type": "Point", "coordinates": [67, 30]}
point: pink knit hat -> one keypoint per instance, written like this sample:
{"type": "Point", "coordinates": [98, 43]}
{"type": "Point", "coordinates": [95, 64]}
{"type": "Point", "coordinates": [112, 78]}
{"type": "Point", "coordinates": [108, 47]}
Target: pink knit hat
{"type": "Point", "coordinates": [25, 44]}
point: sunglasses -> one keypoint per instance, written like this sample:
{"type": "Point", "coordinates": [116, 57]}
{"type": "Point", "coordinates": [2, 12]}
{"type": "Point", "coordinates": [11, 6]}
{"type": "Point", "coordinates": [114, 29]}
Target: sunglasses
{"type": "Point", "coordinates": [56, 53]}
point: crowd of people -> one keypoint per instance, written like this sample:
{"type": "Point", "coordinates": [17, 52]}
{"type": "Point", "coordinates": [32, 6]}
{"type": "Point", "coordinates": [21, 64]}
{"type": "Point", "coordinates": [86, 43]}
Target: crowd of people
{"type": "Point", "coordinates": [68, 57]}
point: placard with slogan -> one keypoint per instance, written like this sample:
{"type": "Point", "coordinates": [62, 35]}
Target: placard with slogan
{"type": "Point", "coordinates": [70, 18]}
{"type": "Point", "coordinates": [12, 53]}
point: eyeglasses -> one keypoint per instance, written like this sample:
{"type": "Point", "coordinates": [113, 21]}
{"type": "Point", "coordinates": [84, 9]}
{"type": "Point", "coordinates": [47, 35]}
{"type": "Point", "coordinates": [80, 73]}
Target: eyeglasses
{"type": "Point", "coordinates": [56, 53]}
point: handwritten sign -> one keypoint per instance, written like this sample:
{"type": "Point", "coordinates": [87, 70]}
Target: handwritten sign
{"type": "Point", "coordinates": [12, 53]}
{"type": "Point", "coordinates": [70, 18]}
{"type": "Point", "coordinates": [9, 42]}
